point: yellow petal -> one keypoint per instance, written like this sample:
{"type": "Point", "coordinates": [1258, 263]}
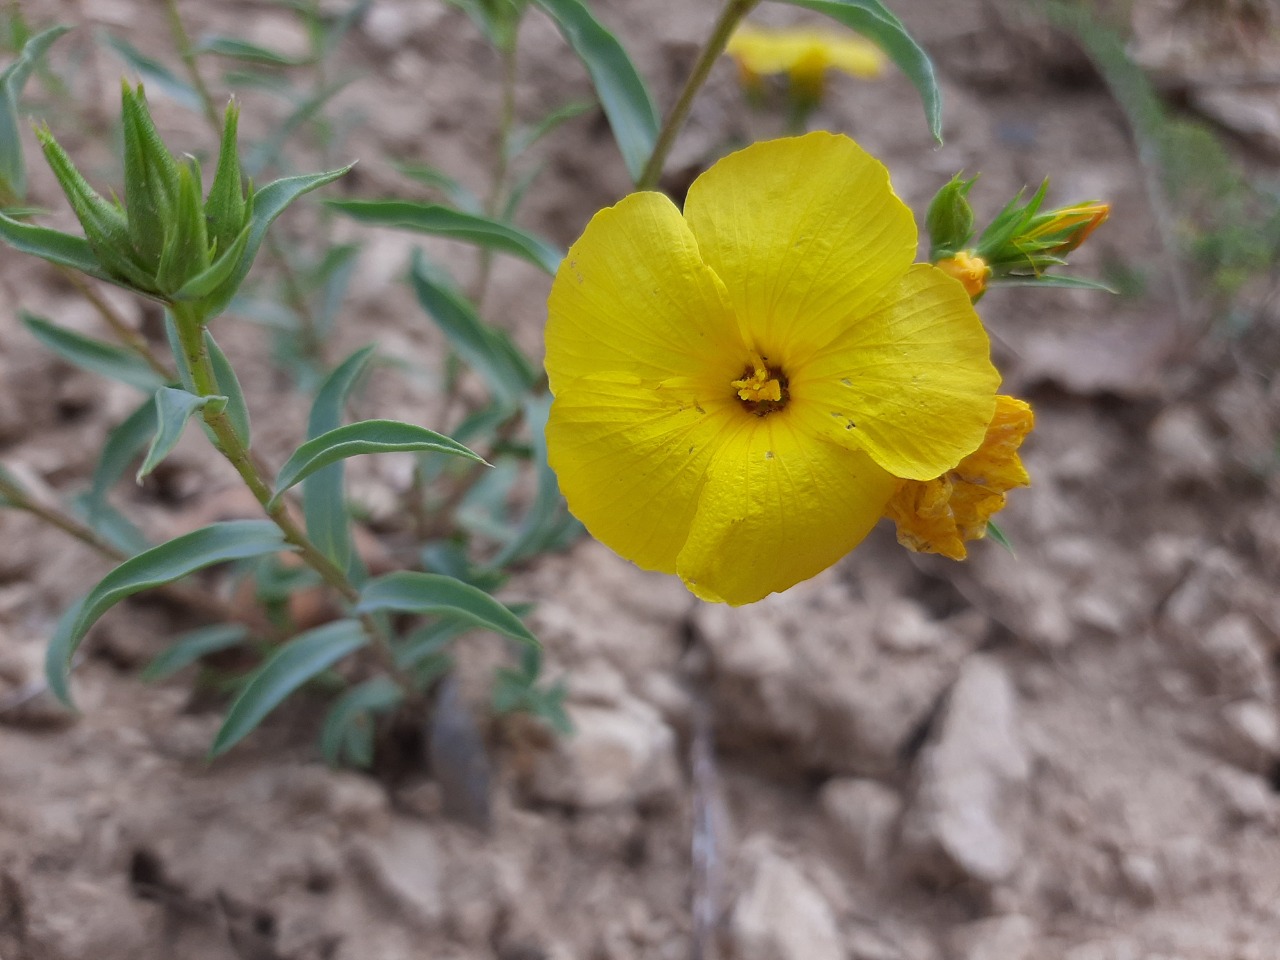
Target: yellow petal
{"type": "Point", "coordinates": [633, 295]}
{"type": "Point", "coordinates": [631, 457]}
{"type": "Point", "coordinates": [805, 233]}
{"type": "Point", "coordinates": [911, 383]}
{"type": "Point", "coordinates": [778, 507]}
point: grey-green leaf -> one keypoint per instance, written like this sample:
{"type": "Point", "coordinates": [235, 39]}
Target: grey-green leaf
{"type": "Point", "coordinates": [302, 658]}
{"type": "Point", "coordinates": [431, 593]}
{"type": "Point", "coordinates": [229, 385]}
{"type": "Point", "coordinates": [173, 409]}
{"type": "Point", "coordinates": [13, 167]}
{"type": "Point", "coordinates": [324, 501]}
{"type": "Point", "coordinates": [248, 52]}
{"type": "Point", "coordinates": [441, 221]}
{"type": "Point", "coordinates": [623, 94]}
{"type": "Point", "coordinates": [486, 350]}
{"type": "Point", "coordinates": [192, 646]}
{"type": "Point", "coordinates": [62, 647]}
{"type": "Point", "coordinates": [367, 436]}
{"type": "Point", "coordinates": [156, 74]}
{"type": "Point", "coordinates": [217, 543]}
{"type": "Point", "coordinates": [98, 357]}
{"type": "Point", "coordinates": [64, 249]}
{"type": "Point", "coordinates": [348, 729]}
{"type": "Point", "coordinates": [874, 21]}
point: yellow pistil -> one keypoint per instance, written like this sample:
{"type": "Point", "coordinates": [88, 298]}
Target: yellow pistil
{"type": "Point", "coordinates": [760, 387]}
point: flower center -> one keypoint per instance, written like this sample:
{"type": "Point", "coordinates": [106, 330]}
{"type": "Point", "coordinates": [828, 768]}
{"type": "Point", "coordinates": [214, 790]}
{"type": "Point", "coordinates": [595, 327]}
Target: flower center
{"type": "Point", "coordinates": [762, 388]}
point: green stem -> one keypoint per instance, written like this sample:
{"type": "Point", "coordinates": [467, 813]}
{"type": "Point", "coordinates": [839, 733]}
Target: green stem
{"type": "Point", "coordinates": [191, 335]}
{"type": "Point", "coordinates": [501, 161]}
{"type": "Point", "coordinates": [186, 50]}
{"type": "Point", "coordinates": [126, 334]}
{"type": "Point", "coordinates": [734, 10]}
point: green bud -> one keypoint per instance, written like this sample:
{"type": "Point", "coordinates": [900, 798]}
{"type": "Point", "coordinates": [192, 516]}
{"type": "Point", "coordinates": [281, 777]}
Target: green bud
{"type": "Point", "coordinates": [150, 176]}
{"type": "Point", "coordinates": [186, 240]}
{"type": "Point", "coordinates": [950, 218]}
{"type": "Point", "coordinates": [226, 209]}
{"type": "Point", "coordinates": [105, 224]}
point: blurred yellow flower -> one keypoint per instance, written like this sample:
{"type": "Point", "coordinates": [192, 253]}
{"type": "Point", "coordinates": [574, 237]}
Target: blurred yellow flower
{"type": "Point", "coordinates": [739, 387]}
{"type": "Point", "coordinates": [939, 515]}
{"type": "Point", "coordinates": [805, 55]}
{"type": "Point", "coordinates": [971, 270]}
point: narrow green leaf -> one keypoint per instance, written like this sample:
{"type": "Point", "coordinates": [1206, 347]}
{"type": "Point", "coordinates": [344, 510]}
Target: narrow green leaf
{"type": "Point", "coordinates": [267, 151]}
{"type": "Point", "coordinates": [1052, 280]}
{"type": "Point", "coordinates": [348, 729]}
{"type": "Point", "coordinates": [525, 137]}
{"type": "Point", "coordinates": [110, 524]}
{"type": "Point", "coordinates": [62, 647]}
{"type": "Point", "coordinates": [105, 359]}
{"type": "Point", "coordinates": [874, 21]}
{"type": "Point", "coordinates": [13, 167]}
{"type": "Point", "coordinates": [284, 672]}
{"type": "Point", "coordinates": [53, 245]}
{"type": "Point", "coordinates": [999, 536]}
{"type": "Point", "coordinates": [248, 52]}
{"type": "Point", "coordinates": [454, 191]}
{"type": "Point", "coordinates": [440, 221]}
{"type": "Point", "coordinates": [156, 74]}
{"type": "Point", "coordinates": [203, 284]}
{"type": "Point", "coordinates": [333, 275]}
{"type": "Point", "coordinates": [622, 92]}
{"type": "Point", "coordinates": [173, 409]}
{"type": "Point", "coordinates": [268, 203]}
{"type": "Point", "coordinates": [367, 436]}
{"type": "Point", "coordinates": [229, 385]}
{"type": "Point", "coordinates": [488, 351]}
{"type": "Point", "coordinates": [430, 593]}
{"type": "Point", "coordinates": [193, 646]}
{"type": "Point", "coordinates": [324, 501]}
{"type": "Point", "coordinates": [217, 543]}
{"type": "Point", "coordinates": [124, 444]}
{"type": "Point", "coordinates": [429, 641]}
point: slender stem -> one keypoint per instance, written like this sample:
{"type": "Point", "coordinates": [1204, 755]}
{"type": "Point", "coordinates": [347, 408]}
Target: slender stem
{"type": "Point", "coordinates": [229, 444]}
{"type": "Point", "coordinates": [186, 50]}
{"type": "Point", "coordinates": [126, 334]}
{"type": "Point", "coordinates": [734, 10]}
{"type": "Point", "coordinates": [501, 160]}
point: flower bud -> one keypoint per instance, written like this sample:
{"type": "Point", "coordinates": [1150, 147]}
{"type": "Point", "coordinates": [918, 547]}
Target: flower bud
{"type": "Point", "coordinates": [950, 218]}
{"type": "Point", "coordinates": [971, 270]}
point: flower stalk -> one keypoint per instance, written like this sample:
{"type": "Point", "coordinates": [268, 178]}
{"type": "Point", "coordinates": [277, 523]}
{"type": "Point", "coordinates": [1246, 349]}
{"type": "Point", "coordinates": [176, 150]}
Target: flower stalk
{"type": "Point", "coordinates": [730, 15]}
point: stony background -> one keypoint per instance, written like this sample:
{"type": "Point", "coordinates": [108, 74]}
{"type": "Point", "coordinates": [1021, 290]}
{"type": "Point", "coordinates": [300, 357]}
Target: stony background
{"type": "Point", "coordinates": [1071, 754]}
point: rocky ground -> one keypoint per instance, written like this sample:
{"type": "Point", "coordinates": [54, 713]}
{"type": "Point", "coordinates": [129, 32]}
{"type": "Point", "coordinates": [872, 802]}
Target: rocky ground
{"type": "Point", "coordinates": [1069, 753]}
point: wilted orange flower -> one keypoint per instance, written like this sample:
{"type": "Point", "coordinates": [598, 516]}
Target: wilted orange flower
{"type": "Point", "coordinates": [938, 516]}
{"type": "Point", "coordinates": [1070, 226]}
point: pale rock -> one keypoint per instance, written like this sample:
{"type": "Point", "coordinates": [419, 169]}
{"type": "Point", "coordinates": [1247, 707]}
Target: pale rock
{"type": "Point", "coordinates": [1236, 656]}
{"type": "Point", "coordinates": [1011, 937]}
{"type": "Point", "coordinates": [1245, 797]}
{"type": "Point", "coordinates": [904, 627]}
{"type": "Point", "coordinates": [1142, 878]}
{"type": "Point", "coordinates": [780, 914]}
{"type": "Point", "coordinates": [866, 813]}
{"type": "Point", "coordinates": [596, 682]}
{"type": "Point", "coordinates": [617, 754]}
{"type": "Point", "coordinates": [965, 816]}
{"type": "Point", "coordinates": [1251, 733]}
{"type": "Point", "coordinates": [108, 922]}
{"type": "Point", "coordinates": [351, 800]}
{"type": "Point", "coordinates": [802, 671]}
{"type": "Point", "coordinates": [404, 866]}
{"type": "Point", "coordinates": [282, 33]}
{"type": "Point", "coordinates": [1183, 447]}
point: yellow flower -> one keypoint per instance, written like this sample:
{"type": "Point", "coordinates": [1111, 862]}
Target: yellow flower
{"type": "Point", "coordinates": [938, 516]}
{"type": "Point", "coordinates": [971, 270]}
{"type": "Point", "coordinates": [804, 55]}
{"type": "Point", "coordinates": [738, 388]}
